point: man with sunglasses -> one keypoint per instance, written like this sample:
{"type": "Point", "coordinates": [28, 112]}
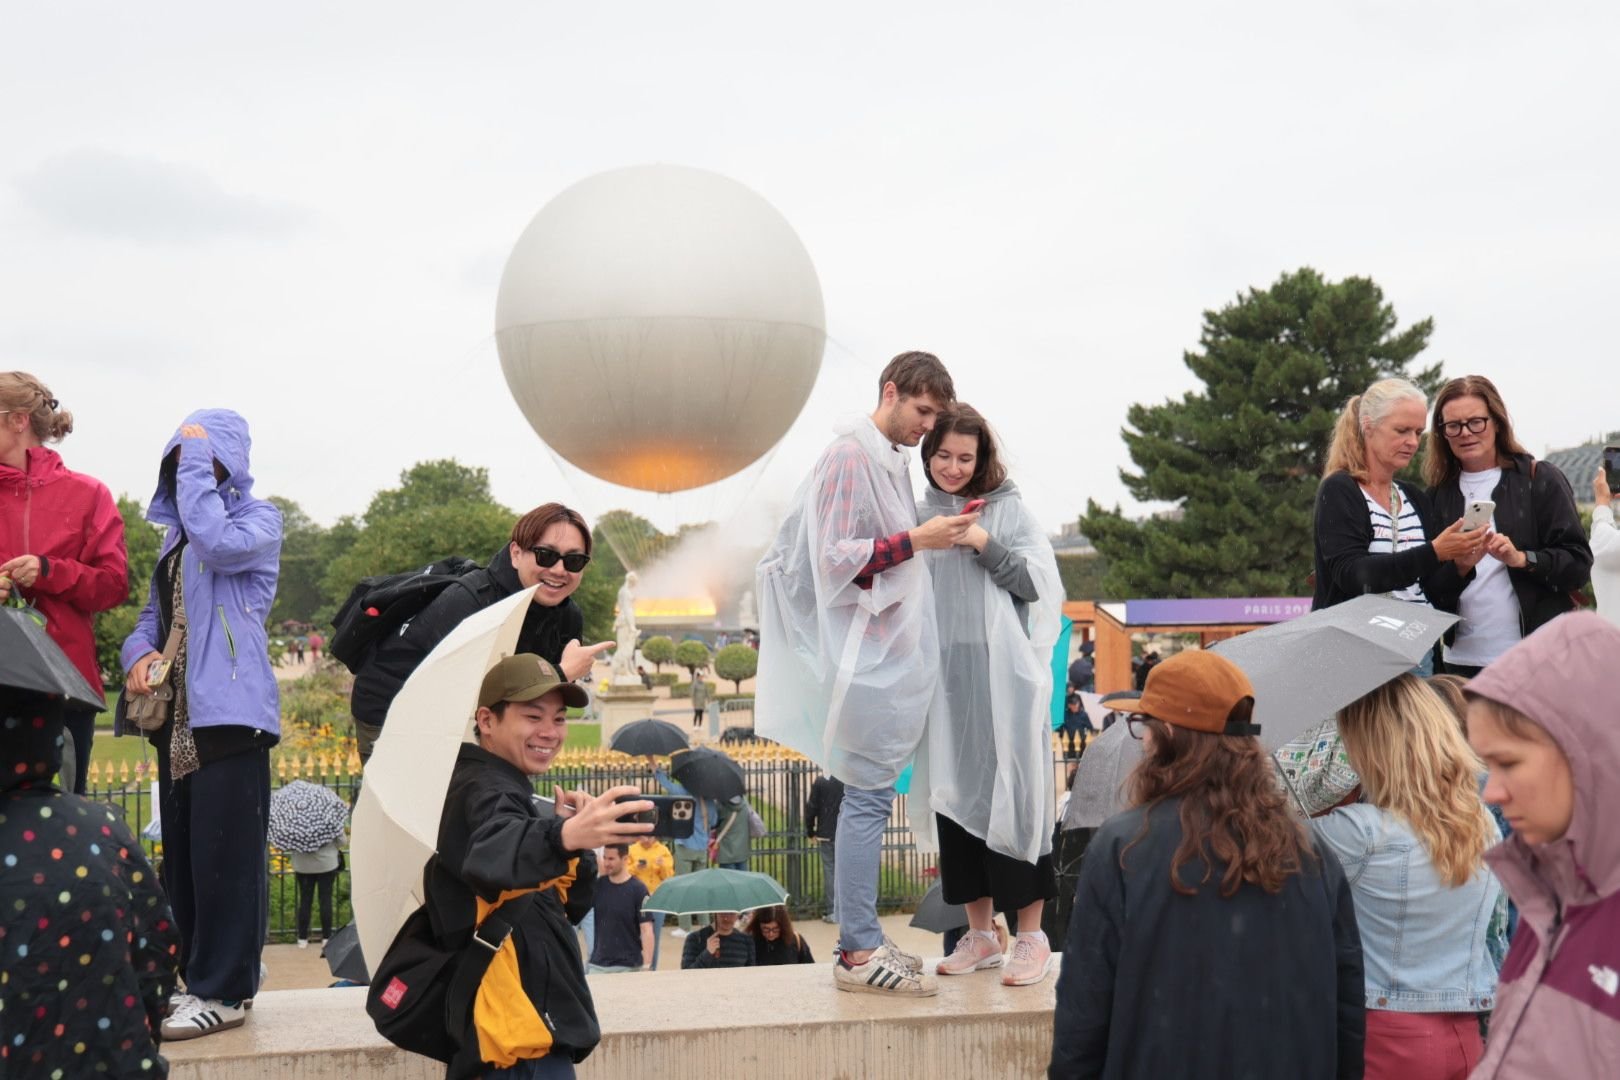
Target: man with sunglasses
{"type": "Point", "coordinates": [548, 552]}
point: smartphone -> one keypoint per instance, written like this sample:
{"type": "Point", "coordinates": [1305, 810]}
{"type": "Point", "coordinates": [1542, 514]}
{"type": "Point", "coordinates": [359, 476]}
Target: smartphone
{"type": "Point", "coordinates": [1478, 514]}
{"type": "Point", "coordinates": [1611, 468]}
{"type": "Point", "coordinates": [973, 506]}
{"type": "Point", "coordinates": [157, 673]}
{"type": "Point", "coordinates": [671, 815]}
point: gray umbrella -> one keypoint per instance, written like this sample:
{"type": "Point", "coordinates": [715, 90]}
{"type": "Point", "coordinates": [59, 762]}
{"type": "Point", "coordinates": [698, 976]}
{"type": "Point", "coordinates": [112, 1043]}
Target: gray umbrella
{"type": "Point", "coordinates": [934, 914]}
{"type": "Point", "coordinates": [30, 660]}
{"type": "Point", "coordinates": [343, 956]}
{"type": "Point", "coordinates": [1100, 777]}
{"type": "Point", "coordinates": [1306, 669]}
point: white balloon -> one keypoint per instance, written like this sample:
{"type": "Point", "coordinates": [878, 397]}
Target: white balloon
{"type": "Point", "coordinates": [660, 326]}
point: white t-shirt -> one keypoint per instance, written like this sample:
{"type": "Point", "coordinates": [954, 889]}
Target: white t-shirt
{"type": "Point", "coordinates": [1489, 606]}
{"type": "Point", "coordinates": [1392, 536]}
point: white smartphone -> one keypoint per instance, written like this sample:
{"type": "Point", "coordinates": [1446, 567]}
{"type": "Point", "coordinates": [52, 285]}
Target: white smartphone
{"type": "Point", "coordinates": [1478, 514]}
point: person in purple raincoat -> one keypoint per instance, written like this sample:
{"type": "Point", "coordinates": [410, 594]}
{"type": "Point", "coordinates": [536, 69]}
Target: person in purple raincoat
{"type": "Point", "coordinates": [215, 580]}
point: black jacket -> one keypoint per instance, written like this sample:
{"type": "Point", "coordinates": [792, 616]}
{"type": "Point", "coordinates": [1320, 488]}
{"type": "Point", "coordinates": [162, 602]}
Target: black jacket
{"type": "Point", "coordinates": [771, 954]}
{"type": "Point", "coordinates": [496, 837]}
{"type": "Point", "coordinates": [546, 630]}
{"type": "Point", "coordinates": [736, 950]}
{"type": "Point", "coordinates": [1157, 985]}
{"type": "Point", "coordinates": [1345, 569]}
{"type": "Point", "coordinates": [821, 808]}
{"type": "Point", "coordinates": [1538, 515]}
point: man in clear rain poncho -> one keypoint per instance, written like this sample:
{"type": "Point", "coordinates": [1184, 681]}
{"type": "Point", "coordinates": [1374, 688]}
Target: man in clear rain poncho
{"type": "Point", "coordinates": [848, 651]}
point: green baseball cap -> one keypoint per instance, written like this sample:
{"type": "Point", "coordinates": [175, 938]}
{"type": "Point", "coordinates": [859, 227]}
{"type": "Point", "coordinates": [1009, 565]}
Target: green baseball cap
{"type": "Point", "coordinates": [525, 677]}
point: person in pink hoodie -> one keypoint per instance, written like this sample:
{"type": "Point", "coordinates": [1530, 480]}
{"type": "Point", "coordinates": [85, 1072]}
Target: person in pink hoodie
{"type": "Point", "coordinates": [1542, 719]}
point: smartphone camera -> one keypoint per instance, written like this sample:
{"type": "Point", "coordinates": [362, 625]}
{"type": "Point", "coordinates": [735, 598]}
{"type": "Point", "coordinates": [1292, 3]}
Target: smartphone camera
{"type": "Point", "coordinates": [1611, 468]}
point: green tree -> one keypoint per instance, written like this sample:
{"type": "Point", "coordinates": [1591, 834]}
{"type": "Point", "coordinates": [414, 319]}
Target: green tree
{"type": "Point", "coordinates": [142, 540]}
{"type": "Point", "coordinates": [693, 656]}
{"type": "Point", "coordinates": [1241, 459]}
{"type": "Point", "coordinates": [1082, 575]}
{"type": "Point", "coordinates": [659, 650]}
{"type": "Point", "coordinates": [734, 662]}
{"type": "Point", "coordinates": [440, 508]}
{"type": "Point", "coordinates": [298, 589]}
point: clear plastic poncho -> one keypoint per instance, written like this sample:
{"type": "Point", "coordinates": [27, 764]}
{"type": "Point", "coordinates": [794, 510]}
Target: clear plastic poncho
{"type": "Point", "coordinates": [986, 762]}
{"type": "Point", "coordinates": [847, 676]}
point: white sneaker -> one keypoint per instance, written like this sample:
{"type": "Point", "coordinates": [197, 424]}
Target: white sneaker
{"type": "Point", "coordinates": [303, 943]}
{"type": "Point", "coordinates": [177, 1001]}
{"type": "Point", "coordinates": [203, 1016]}
{"type": "Point", "coordinates": [910, 960]}
{"type": "Point", "coordinates": [883, 973]}
{"type": "Point", "coordinates": [678, 932]}
{"type": "Point", "coordinates": [975, 951]}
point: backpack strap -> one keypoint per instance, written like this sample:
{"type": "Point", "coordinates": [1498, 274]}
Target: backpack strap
{"type": "Point", "coordinates": [487, 939]}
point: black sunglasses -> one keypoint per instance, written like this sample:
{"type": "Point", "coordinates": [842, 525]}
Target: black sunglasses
{"type": "Point", "coordinates": [573, 562]}
{"type": "Point", "coordinates": [1474, 424]}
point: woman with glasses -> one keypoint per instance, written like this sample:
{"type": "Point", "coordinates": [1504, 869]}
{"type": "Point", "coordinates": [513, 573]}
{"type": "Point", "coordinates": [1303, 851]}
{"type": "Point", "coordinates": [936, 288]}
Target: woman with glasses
{"type": "Point", "coordinates": [548, 552]}
{"type": "Point", "coordinates": [1211, 934]}
{"type": "Point", "coordinates": [1414, 850]}
{"type": "Point", "coordinates": [775, 940]}
{"type": "Point", "coordinates": [1376, 534]}
{"type": "Point", "coordinates": [1535, 552]}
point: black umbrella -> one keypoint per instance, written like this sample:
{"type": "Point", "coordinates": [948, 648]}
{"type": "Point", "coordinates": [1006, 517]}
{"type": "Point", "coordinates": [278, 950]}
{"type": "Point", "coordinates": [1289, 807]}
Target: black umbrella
{"type": "Point", "coordinates": [644, 738]}
{"type": "Point", "coordinates": [708, 774]}
{"type": "Point", "coordinates": [935, 915]}
{"type": "Point", "coordinates": [343, 957]}
{"type": "Point", "coordinates": [30, 660]}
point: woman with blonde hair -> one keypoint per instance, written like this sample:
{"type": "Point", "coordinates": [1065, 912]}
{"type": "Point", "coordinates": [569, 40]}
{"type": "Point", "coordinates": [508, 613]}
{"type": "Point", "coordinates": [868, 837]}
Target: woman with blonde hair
{"type": "Point", "coordinates": [61, 540]}
{"type": "Point", "coordinates": [1414, 849]}
{"type": "Point", "coordinates": [1373, 533]}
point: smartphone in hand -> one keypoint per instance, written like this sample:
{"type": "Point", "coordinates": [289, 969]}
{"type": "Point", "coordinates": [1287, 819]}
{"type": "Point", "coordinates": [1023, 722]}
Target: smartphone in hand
{"type": "Point", "coordinates": [1611, 468]}
{"type": "Point", "coordinates": [973, 506]}
{"type": "Point", "coordinates": [1478, 514]}
{"type": "Point", "coordinates": [671, 815]}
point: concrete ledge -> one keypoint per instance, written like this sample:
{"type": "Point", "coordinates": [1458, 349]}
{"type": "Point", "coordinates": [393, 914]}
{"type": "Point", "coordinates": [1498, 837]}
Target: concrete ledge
{"type": "Point", "coordinates": [774, 1023]}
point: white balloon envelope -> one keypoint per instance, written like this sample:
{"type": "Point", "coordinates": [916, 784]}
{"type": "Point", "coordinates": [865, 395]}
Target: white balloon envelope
{"type": "Point", "coordinates": [660, 326]}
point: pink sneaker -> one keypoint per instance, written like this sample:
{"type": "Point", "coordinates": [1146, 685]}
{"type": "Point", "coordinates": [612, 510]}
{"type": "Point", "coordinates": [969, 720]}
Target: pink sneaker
{"type": "Point", "coordinates": [1031, 960]}
{"type": "Point", "coordinates": [975, 951]}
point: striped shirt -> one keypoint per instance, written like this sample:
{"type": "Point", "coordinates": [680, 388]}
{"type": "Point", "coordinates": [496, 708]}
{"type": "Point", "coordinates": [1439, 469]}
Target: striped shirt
{"type": "Point", "coordinates": [1389, 538]}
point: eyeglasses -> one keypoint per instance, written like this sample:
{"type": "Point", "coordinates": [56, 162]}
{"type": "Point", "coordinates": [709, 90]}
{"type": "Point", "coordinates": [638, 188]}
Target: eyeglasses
{"type": "Point", "coordinates": [1136, 724]}
{"type": "Point", "coordinates": [769, 928]}
{"type": "Point", "coordinates": [573, 562]}
{"type": "Point", "coordinates": [1474, 424]}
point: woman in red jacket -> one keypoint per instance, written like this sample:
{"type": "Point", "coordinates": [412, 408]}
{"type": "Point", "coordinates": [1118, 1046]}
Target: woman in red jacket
{"type": "Point", "coordinates": [61, 538]}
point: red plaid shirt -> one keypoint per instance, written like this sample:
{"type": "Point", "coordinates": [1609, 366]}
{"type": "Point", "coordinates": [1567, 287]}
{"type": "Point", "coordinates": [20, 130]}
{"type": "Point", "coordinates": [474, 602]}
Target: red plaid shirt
{"type": "Point", "coordinates": [887, 551]}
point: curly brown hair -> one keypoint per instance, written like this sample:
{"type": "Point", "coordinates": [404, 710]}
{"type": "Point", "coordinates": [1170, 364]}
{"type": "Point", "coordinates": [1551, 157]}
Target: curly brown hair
{"type": "Point", "coordinates": [1234, 812]}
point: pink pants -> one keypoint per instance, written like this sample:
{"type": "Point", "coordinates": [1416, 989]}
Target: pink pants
{"type": "Point", "coordinates": [1421, 1046]}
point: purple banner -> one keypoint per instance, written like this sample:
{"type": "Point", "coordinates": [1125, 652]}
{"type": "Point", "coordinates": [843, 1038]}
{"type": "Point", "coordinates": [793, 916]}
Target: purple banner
{"type": "Point", "coordinates": [1248, 609]}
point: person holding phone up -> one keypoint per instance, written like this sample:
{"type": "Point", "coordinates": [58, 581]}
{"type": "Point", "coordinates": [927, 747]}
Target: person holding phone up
{"type": "Point", "coordinates": [1606, 538]}
{"type": "Point", "coordinates": [1535, 555]}
{"type": "Point", "coordinates": [1377, 534]}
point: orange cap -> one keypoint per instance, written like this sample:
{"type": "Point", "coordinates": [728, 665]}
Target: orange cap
{"type": "Point", "coordinates": [1196, 690]}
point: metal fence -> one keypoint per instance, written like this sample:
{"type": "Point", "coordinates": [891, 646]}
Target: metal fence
{"type": "Point", "coordinates": [778, 783]}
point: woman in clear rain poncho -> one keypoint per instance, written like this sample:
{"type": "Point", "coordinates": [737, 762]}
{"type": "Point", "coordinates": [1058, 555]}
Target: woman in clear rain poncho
{"type": "Point", "coordinates": [986, 762]}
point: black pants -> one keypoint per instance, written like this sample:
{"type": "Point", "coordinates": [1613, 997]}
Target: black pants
{"type": "Point", "coordinates": [308, 885]}
{"type": "Point", "coordinates": [215, 869]}
{"type": "Point", "coordinates": [1462, 670]}
{"type": "Point", "coordinates": [81, 724]}
{"type": "Point", "coordinates": [969, 870]}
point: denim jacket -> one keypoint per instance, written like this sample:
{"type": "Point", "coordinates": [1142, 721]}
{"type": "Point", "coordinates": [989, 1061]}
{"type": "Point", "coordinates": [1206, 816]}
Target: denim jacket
{"type": "Point", "coordinates": [1423, 942]}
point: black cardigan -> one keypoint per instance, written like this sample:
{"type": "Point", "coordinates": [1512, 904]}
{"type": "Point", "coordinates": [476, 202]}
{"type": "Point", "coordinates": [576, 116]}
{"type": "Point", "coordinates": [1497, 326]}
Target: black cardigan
{"type": "Point", "coordinates": [1538, 515]}
{"type": "Point", "coordinates": [1344, 567]}
{"type": "Point", "coordinates": [1156, 985]}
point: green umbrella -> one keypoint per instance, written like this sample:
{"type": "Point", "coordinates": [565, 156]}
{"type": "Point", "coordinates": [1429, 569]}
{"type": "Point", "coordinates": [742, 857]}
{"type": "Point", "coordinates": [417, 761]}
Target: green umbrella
{"type": "Point", "coordinates": [710, 891]}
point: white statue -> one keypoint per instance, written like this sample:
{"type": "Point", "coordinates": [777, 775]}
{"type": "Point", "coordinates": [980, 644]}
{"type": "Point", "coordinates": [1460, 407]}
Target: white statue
{"type": "Point", "coordinates": [628, 635]}
{"type": "Point", "coordinates": [747, 617]}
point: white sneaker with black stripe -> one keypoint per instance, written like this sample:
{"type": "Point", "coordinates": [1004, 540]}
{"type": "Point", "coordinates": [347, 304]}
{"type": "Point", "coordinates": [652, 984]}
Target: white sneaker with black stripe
{"type": "Point", "coordinates": [203, 1016]}
{"type": "Point", "coordinates": [885, 972]}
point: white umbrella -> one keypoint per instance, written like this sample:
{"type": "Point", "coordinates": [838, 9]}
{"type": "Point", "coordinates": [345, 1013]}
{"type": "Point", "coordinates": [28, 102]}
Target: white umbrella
{"type": "Point", "coordinates": [396, 821]}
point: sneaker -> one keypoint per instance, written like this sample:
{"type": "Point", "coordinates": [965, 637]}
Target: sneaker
{"type": "Point", "coordinates": [177, 1001]}
{"type": "Point", "coordinates": [203, 1016]}
{"type": "Point", "coordinates": [303, 943]}
{"type": "Point", "coordinates": [829, 920]}
{"type": "Point", "coordinates": [975, 951]}
{"type": "Point", "coordinates": [678, 932]}
{"type": "Point", "coordinates": [910, 960]}
{"type": "Point", "coordinates": [1031, 960]}
{"type": "Point", "coordinates": [883, 973]}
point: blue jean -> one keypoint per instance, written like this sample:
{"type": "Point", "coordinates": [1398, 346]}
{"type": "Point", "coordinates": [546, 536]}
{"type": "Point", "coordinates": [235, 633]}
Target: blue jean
{"type": "Point", "coordinates": [587, 926]}
{"type": "Point", "coordinates": [550, 1067]}
{"type": "Point", "coordinates": [859, 847]}
{"type": "Point", "coordinates": [829, 875]}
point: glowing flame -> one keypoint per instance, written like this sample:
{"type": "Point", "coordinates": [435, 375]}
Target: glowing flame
{"type": "Point", "coordinates": [664, 609]}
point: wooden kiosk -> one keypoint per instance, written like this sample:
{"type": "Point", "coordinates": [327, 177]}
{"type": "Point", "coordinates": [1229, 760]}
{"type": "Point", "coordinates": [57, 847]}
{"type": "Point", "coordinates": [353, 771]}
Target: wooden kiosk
{"type": "Point", "coordinates": [1211, 619]}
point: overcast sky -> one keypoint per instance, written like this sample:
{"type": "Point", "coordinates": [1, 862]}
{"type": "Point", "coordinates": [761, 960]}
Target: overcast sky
{"type": "Point", "coordinates": [301, 211]}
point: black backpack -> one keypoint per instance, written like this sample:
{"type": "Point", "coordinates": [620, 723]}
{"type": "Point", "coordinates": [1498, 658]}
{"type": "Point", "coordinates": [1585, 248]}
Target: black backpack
{"type": "Point", "coordinates": [421, 997]}
{"type": "Point", "coordinates": [379, 605]}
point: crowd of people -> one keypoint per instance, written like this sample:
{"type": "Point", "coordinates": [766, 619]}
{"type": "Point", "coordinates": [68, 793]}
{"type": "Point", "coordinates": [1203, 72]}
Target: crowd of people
{"type": "Point", "coordinates": [1218, 928]}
